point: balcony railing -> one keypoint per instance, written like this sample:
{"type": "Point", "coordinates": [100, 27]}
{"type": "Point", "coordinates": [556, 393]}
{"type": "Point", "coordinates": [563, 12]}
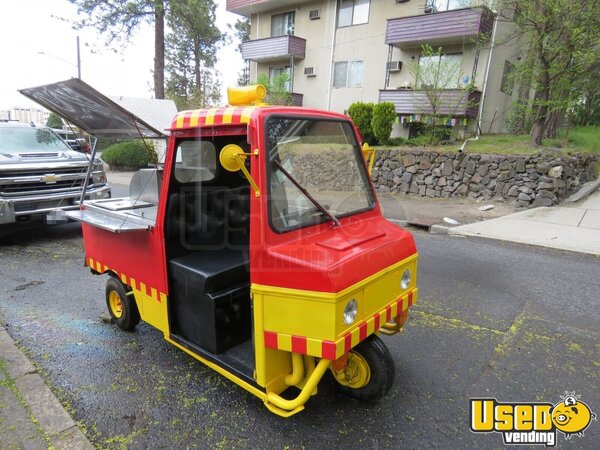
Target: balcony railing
{"type": "Point", "coordinates": [297, 99]}
{"type": "Point", "coordinates": [247, 7]}
{"type": "Point", "coordinates": [451, 102]}
{"type": "Point", "coordinates": [274, 48]}
{"type": "Point", "coordinates": [444, 27]}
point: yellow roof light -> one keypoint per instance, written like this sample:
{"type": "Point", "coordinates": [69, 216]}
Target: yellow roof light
{"type": "Point", "coordinates": [246, 95]}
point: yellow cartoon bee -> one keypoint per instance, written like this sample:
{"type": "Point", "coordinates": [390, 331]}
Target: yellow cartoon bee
{"type": "Point", "coordinates": [572, 416]}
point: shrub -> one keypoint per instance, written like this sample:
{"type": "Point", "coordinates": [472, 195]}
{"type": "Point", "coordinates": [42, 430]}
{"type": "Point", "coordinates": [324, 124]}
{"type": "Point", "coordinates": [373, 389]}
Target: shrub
{"type": "Point", "coordinates": [397, 141]}
{"type": "Point", "coordinates": [128, 154]}
{"type": "Point", "coordinates": [384, 115]}
{"type": "Point", "coordinates": [362, 114]}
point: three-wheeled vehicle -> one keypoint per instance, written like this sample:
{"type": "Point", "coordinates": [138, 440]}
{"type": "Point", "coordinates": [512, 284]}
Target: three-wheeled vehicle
{"type": "Point", "coordinates": [260, 250]}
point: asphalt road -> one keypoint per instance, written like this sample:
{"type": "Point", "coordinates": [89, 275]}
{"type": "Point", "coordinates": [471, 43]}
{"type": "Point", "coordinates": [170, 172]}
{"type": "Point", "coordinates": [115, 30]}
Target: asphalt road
{"type": "Point", "coordinates": [494, 320]}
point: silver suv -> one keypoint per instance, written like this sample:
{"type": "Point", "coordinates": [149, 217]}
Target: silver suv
{"type": "Point", "coordinates": [40, 173]}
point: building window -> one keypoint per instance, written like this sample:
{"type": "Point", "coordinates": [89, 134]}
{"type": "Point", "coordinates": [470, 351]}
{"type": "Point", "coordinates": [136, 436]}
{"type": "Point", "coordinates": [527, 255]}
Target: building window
{"type": "Point", "coordinates": [275, 77]}
{"type": "Point", "coordinates": [282, 24]}
{"type": "Point", "coordinates": [353, 12]}
{"type": "Point", "coordinates": [348, 74]}
{"type": "Point", "coordinates": [439, 71]}
{"type": "Point", "coordinates": [444, 5]}
{"type": "Point", "coordinates": [507, 83]}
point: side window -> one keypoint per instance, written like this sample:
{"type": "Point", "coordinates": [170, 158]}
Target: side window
{"type": "Point", "coordinates": [195, 161]}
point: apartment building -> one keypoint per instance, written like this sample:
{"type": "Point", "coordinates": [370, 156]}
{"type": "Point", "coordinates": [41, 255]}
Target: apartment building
{"type": "Point", "coordinates": [337, 52]}
{"type": "Point", "coordinates": [36, 115]}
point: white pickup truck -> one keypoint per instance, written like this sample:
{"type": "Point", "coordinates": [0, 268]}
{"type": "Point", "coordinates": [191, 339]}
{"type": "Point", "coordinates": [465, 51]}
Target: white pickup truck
{"type": "Point", "coordinates": [40, 173]}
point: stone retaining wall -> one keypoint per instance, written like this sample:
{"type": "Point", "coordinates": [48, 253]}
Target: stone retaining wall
{"type": "Point", "coordinates": [538, 180]}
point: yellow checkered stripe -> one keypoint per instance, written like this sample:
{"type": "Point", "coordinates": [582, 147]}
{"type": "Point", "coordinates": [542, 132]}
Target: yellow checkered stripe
{"type": "Point", "coordinates": [335, 349]}
{"type": "Point", "coordinates": [151, 292]}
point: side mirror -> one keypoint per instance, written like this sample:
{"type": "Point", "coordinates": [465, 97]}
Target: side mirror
{"type": "Point", "coordinates": [232, 158]}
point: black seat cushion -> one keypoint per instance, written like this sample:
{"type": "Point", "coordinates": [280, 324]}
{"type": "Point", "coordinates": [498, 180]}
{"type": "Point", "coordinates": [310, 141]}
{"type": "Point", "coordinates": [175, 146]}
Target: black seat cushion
{"type": "Point", "coordinates": [212, 271]}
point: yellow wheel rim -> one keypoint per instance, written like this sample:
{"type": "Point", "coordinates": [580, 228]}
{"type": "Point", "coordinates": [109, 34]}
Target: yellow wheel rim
{"type": "Point", "coordinates": [116, 304]}
{"type": "Point", "coordinates": [356, 374]}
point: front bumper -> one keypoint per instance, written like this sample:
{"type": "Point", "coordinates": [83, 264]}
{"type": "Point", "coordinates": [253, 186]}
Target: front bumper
{"type": "Point", "coordinates": [11, 209]}
{"type": "Point", "coordinates": [333, 349]}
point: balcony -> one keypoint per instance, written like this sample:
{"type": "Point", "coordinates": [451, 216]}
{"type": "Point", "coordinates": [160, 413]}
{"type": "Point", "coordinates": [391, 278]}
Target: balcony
{"type": "Point", "coordinates": [247, 7]}
{"type": "Point", "coordinates": [274, 49]}
{"type": "Point", "coordinates": [452, 102]}
{"type": "Point", "coordinates": [445, 27]}
{"type": "Point", "coordinates": [297, 99]}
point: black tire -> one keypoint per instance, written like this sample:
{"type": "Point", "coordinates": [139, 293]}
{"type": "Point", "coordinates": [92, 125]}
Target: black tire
{"type": "Point", "coordinates": [127, 316]}
{"type": "Point", "coordinates": [382, 371]}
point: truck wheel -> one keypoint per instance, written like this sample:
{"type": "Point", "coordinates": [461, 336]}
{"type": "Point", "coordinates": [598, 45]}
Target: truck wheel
{"type": "Point", "coordinates": [122, 307]}
{"type": "Point", "coordinates": [369, 374]}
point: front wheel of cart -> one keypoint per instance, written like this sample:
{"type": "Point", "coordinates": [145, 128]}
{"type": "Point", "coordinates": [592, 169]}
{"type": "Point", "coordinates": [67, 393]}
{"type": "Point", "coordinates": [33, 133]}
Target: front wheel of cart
{"type": "Point", "coordinates": [122, 307]}
{"type": "Point", "coordinates": [368, 373]}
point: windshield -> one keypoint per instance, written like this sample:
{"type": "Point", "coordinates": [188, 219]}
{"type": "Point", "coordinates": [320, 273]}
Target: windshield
{"type": "Point", "coordinates": [316, 172]}
{"type": "Point", "coordinates": [29, 139]}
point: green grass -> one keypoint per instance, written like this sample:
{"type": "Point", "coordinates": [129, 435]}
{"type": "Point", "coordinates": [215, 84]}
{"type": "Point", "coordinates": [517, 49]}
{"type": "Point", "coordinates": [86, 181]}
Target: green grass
{"type": "Point", "coordinates": [587, 138]}
{"type": "Point", "coordinates": [575, 140]}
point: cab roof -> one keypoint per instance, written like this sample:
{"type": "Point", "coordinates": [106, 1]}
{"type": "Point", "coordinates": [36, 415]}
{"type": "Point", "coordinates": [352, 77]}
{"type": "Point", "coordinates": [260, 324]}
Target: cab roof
{"type": "Point", "coordinates": [239, 115]}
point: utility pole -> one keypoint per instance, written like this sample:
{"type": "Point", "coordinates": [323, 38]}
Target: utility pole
{"type": "Point", "coordinates": [78, 60]}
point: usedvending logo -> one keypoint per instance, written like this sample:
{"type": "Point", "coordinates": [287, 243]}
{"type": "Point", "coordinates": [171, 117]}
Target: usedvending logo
{"type": "Point", "coordinates": [531, 423]}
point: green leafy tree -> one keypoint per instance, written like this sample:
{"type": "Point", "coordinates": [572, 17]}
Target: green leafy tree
{"type": "Point", "coordinates": [118, 20]}
{"type": "Point", "coordinates": [384, 115]}
{"type": "Point", "coordinates": [191, 54]}
{"type": "Point", "coordinates": [54, 121]}
{"type": "Point", "coordinates": [240, 30]}
{"type": "Point", "coordinates": [564, 41]}
{"type": "Point", "coordinates": [278, 92]}
{"type": "Point", "coordinates": [362, 115]}
{"type": "Point", "coordinates": [435, 74]}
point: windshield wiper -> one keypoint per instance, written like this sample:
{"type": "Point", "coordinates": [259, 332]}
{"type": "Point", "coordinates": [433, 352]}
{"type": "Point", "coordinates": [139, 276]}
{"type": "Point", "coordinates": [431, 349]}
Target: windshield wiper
{"type": "Point", "coordinates": [307, 195]}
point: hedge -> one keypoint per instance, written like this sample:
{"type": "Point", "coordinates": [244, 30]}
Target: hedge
{"type": "Point", "coordinates": [128, 154]}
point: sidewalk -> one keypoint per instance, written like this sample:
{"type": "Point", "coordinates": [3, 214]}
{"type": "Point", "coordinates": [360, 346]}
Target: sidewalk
{"type": "Point", "coordinates": [31, 417]}
{"type": "Point", "coordinates": [569, 226]}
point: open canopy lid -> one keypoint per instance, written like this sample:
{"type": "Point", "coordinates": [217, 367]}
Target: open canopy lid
{"type": "Point", "coordinates": [90, 110]}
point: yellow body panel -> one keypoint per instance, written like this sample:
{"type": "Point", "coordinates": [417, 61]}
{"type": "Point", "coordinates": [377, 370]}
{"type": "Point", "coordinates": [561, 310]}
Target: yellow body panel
{"type": "Point", "coordinates": [319, 315]}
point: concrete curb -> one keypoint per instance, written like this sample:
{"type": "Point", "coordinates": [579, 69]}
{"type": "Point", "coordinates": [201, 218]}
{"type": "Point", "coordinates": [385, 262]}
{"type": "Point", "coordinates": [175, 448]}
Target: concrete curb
{"type": "Point", "coordinates": [587, 189]}
{"type": "Point", "coordinates": [56, 424]}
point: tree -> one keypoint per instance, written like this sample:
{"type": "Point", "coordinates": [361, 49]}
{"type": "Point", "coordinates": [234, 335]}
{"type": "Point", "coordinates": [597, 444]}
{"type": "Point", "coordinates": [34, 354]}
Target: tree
{"type": "Point", "coordinates": [278, 92]}
{"type": "Point", "coordinates": [241, 31]}
{"type": "Point", "coordinates": [435, 74]}
{"type": "Point", "coordinates": [54, 121]}
{"type": "Point", "coordinates": [118, 19]}
{"type": "Point", "coordinates": [565, 47]}
{"type": "Point", "coordinates": [191, 53]}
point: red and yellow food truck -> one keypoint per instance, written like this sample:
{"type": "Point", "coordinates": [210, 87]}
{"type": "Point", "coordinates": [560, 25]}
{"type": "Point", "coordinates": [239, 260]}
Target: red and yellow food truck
{"type": "Point", "coordinates": [260, 249]}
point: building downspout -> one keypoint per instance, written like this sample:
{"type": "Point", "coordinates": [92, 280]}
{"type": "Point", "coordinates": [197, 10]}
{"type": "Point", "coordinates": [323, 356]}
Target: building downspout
{"type": "Point", "coordinates": [485, 79]}
{"type": "Point", "coordinates": [331, 62]}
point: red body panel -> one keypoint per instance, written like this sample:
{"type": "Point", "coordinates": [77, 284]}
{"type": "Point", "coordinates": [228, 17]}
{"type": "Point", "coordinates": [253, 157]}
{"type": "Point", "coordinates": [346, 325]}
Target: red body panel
{"type": "Point", "coordinates": [315, 258]}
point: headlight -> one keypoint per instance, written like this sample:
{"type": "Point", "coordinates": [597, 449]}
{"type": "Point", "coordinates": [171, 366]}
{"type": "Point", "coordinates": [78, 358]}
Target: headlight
{"type": "Point", "coordinates": [99, 178]}
{"type": "Point", "coordinates": [405, 282]}
{"type": "Point", "coordinates": [350, 312]}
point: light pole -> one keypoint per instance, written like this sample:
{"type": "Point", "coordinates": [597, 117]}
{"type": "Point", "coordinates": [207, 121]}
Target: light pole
{"type": "Point", "coordinates": [66, 61]}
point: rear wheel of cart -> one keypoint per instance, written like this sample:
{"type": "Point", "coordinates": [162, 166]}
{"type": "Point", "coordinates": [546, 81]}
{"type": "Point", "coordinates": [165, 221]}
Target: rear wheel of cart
{"type": "Point", "coordinates": [368, 373]}
{"type": "Point", "coordinates": [122, 307]}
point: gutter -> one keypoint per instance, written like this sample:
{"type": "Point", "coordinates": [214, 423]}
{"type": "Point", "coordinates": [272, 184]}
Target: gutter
{"type": "Point", "coordinates": [485, 79]}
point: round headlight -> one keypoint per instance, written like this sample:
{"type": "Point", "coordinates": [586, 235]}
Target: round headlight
{"type": "Point", "coordinates": [405, 282]}
{"type": "Point", "coordinates": [350, 312]}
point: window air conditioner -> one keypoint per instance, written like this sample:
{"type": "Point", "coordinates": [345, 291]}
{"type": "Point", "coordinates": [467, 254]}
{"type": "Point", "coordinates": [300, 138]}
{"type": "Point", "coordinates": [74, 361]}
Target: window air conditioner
{"type": "Point", "coordinates": [394, 66]}
{"type": "Point", "coordinates": [314, 14]}
{"type": "Point", "coordinates": [310, 71]}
